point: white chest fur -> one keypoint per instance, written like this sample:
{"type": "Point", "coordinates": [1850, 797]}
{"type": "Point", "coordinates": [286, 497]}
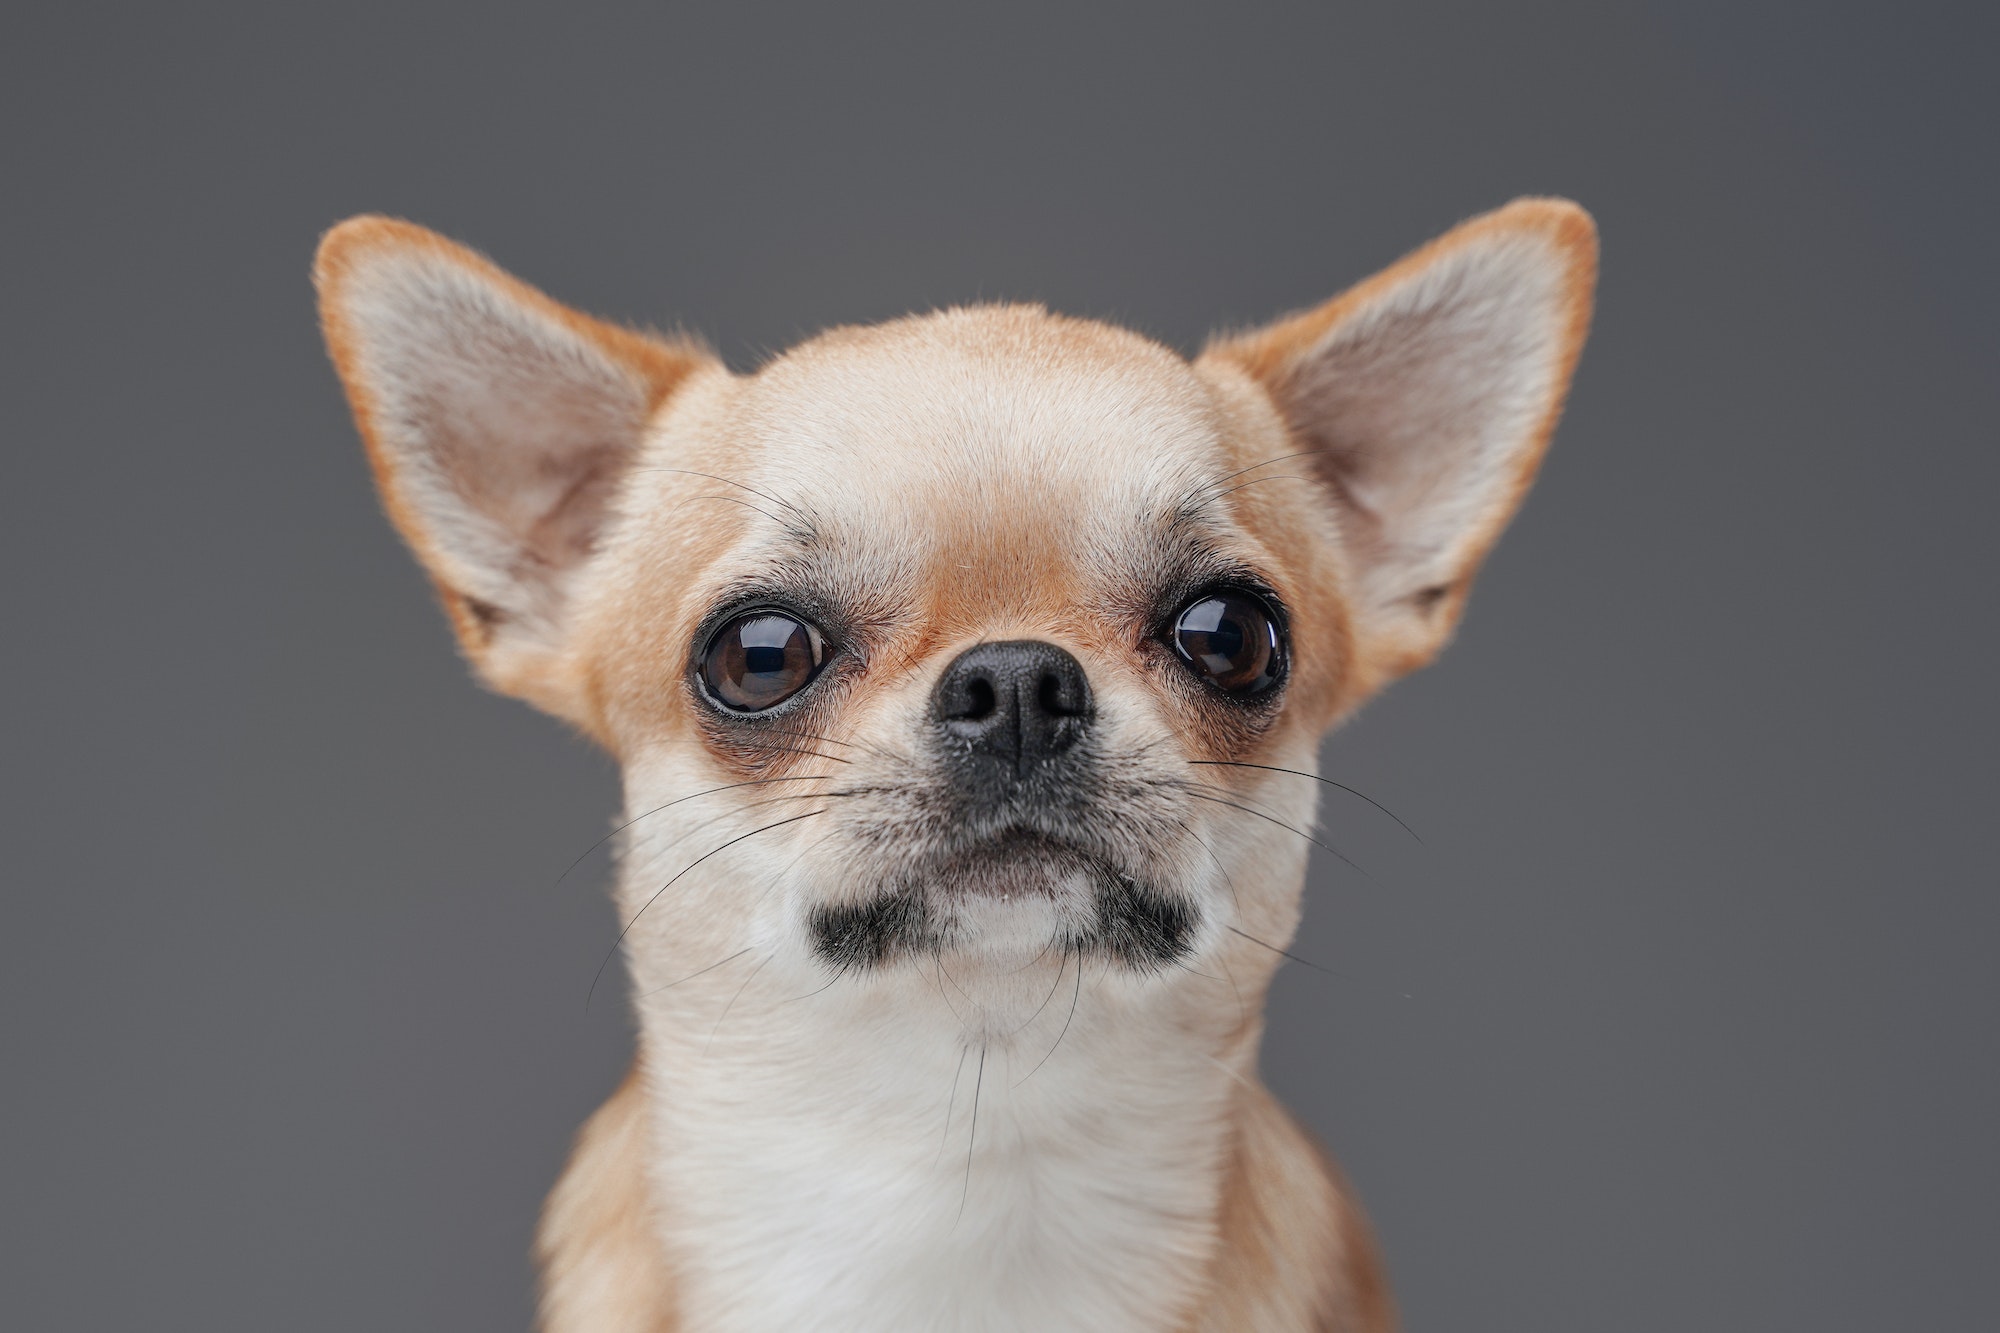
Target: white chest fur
{"type": "Point", "coordinates": [860, 1163]}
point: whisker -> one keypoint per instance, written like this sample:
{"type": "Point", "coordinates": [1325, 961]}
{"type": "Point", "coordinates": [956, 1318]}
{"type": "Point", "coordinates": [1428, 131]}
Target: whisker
{"type": "Point", "coordinates": [1242, 1010]}
{"type": "Point", "coordinates": [1221, 869]}
{"type": "Point", "coordinates": [730, 499]}
{"type": "Point", "coordinates": [1301, 773]}
{"type": "Point", "coordinates": [1044, 953]}
{"type": "Point", "coordinates": [1332, 851]}
{"type": "Point", "coordinates": [1075, 995]}
{"type": "Point", "coordinates": [835, 740]}
{"type": "Point", "coordinates": [1297, 453]}
{"type": "Point", "coordinates": [732, 1002]}
{"type": "Point", "coordinates": [713, 820]}
{"type": "Point", "coordinates": [1284, 953]}
{"type": "Point", "coordinates": [972, 1139]}
{"type": "Point", "coordinates": [1209, 492]}
{"type": "Point", "coordinates": [838, 974]}
{"type": "Point", "coordinates": [619, 942]}
{"type": "Point", "coordinates": [793, 749]}
{"type": "Point", "coordinates": [1053, 987]}
{"type": "Point", "coordinates": [692, 975]}
{"type": "Point", "coordinates": [803, 516]}
{"type": "Point", "coordinates": [937, 984]}
{"type": "Point", "coordinates": [709, 791]}
{"type": "Point", "coordinates": [960, 989]}
{"type": "Point", "coordinates": [1246, 485]}
{"type": "Point", "coordinates": [950, 1105]}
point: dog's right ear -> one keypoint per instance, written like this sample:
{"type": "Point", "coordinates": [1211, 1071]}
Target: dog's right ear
{"type": "Point", "coordinates": [499, 424]}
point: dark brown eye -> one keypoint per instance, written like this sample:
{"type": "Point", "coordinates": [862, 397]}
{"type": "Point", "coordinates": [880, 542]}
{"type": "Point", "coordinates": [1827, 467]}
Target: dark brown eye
{"type": "Point", "coordinates": [760, 659]}
{"type": "Point", "coordinates": [1231, 640]}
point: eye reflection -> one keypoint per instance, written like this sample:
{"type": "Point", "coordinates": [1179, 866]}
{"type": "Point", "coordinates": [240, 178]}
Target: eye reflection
{"type": "Point", "coordinates": [1230, 639]}
{"type": "Point", "coordinates": [760, 659]}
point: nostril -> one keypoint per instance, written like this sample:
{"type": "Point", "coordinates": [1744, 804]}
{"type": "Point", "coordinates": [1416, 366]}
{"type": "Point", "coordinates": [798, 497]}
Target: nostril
{"type": "Point", "coordinates": [1056, 696]}
{"type": "Point", "coordinates": [1019, 700]}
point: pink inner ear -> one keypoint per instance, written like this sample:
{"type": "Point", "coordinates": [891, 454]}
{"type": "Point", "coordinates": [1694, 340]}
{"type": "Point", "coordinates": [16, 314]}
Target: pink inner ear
{"type": "Point", "coordinates": [1431, 392]}
{"type": "Point", "coordinates": [501, 425]}
{"type": "Point", "coordinates": [541, 469]}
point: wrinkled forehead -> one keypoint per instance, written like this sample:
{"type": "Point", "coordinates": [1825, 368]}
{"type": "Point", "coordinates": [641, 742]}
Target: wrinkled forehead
{"type": "Point", "coordinates": [1010, 456]}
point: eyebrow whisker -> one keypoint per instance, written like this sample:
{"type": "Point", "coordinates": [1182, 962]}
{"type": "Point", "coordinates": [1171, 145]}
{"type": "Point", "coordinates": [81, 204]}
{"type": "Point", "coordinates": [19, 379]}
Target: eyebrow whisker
{"type": "Point", "coordinates": [782, 503]}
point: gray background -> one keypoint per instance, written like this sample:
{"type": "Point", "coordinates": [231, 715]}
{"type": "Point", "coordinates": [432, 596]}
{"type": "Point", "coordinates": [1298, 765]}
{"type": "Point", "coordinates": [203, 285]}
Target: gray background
{"type": "Point", "coordinates": [1683, 1018]}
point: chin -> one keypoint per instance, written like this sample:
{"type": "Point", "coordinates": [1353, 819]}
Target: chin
{"type": "Point", "coordinates": [1015, 897]}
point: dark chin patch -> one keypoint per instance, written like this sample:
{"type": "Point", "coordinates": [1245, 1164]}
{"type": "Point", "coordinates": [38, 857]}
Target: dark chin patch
{"type": "Point", "coordinates": [1127, 923]}
{"type": "Point", "coordinates": [869, 934]}
{"type": "Point", "coordinates": [1138, 926]}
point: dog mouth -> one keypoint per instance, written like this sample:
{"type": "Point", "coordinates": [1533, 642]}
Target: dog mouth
{"type": "Point", "coordinates": [1098, 908]}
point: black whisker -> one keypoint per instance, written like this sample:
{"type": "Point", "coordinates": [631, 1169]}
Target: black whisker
{"type": "Point", "coordinates": [1075, 994]}
{"type": "Point", "coordinates": [950, 1105]}
{"type": "Point", "coordinates": [617, 943]}
{"type": "Point", "coordinates": [1246, 485]}
{"type": "Point", "coordinates": [1221, 869]}
{"type": "Point", "coordinates": [1212, 491]}
{"type": "Point", "coordinates": [730, 499]}
{"type": "Point", "coordinates": [804, 852]}
{"type": "Point", "coordinates": [803, 516]}
{"type": "Point", "coordinates": [1039, 956]}
{"type": "Point", "coordinates": [732, 1002]}
{"type": "Point", "coordinates": [837, 975]}
{"type": "Point", "coordinates": [939, 960]}
{"type": "Point", "coordinates": [712, 820]}
{"type": "Point", "coordinates": [937, 984]}
{"type": "Point", "coordinates": [1332, 851]}
{"type": "Point", "coordinates": [1053, 986]}
{"type": "Point", "coordinates": [1297, 453]}
{"type": "Point", "coordinates": [833, 740]}
{"type": "Point", "coordinates": [708, 791]}
{"type": "Point", "coordinates": [1301, 773]}
{"type": "Point", "coordinates": [1242, 1010]}
{"type": "Point", "coordinates": [972, 1139]}
{"type": "Point", "coordinates": [1282, 953]}
{"type": "Point", "coordinates": [794, 749]}
{"type": "Point", "coordinates": [692, 975]}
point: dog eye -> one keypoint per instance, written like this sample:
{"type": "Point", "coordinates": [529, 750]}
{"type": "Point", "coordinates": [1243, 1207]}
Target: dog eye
{"type": "Point", "coordinates": [760, 659]}
{"type": "Point", "coordinates": [1230, 639]}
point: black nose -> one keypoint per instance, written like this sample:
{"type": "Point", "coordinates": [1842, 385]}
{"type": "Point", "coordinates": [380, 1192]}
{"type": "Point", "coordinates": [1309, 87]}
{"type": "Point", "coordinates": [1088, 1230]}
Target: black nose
{"type": "Point", "coordinates": [1019, 703]}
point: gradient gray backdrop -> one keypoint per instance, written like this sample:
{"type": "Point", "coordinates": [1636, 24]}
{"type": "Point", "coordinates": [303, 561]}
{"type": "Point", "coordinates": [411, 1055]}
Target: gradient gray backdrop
{"type": "Point", "coordinates": [1685, 1016]}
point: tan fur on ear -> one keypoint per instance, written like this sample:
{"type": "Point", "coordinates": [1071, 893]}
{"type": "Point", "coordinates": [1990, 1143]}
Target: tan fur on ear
{"type": "Point", "coordinates": [497, 423]}
{"type": "Point", "coordinates": [1427, 395]}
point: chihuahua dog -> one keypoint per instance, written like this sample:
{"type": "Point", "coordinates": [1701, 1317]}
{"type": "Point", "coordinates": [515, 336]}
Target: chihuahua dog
{"type": "Point", "coordinates": [967, 674]}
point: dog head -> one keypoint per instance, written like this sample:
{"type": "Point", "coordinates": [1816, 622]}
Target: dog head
{"type": "Point", "coordinates": [985, 634]}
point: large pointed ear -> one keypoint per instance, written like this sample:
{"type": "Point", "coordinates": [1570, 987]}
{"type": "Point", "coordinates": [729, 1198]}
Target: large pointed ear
{"type": "Point", "coordinates": [499, 424]}
{"type": "Point", "coordinates": [1427, 395]}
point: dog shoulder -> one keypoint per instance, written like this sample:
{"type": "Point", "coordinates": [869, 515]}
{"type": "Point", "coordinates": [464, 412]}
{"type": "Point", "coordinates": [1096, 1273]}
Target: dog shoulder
{"type": "Point", "coordinates": [1296, 1250]}
{"type": "Point", "coordinates": [602, 1269]}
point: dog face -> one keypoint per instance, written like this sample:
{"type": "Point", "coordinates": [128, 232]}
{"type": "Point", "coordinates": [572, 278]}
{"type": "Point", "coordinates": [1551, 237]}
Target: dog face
{"type": "Point", "coordinates": [986, 635]}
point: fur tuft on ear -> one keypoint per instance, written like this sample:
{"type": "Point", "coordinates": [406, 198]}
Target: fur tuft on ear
{"type": "Point", "coordinates": [1428, 394]}
{"type": "Point", "coordinates": [499, 424]}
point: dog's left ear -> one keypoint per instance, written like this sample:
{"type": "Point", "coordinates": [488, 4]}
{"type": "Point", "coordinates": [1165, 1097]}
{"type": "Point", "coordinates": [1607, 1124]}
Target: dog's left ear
{"type": "Point", "coordinates": [1427, 395]}
{"type": "Point", "coordinates": [500, 425]}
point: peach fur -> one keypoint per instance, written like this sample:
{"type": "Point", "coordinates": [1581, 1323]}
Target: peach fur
{"type": "Point", "coordinates": [1268, 355]}
{"type": "Point", "coordinates": [661, 365]}
{"type": "Point", "coordinates": [603, 1269]}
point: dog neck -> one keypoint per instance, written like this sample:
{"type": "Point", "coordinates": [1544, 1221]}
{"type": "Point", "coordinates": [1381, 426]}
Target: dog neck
{"type": "Point", "coordinates": [950, 1144]}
